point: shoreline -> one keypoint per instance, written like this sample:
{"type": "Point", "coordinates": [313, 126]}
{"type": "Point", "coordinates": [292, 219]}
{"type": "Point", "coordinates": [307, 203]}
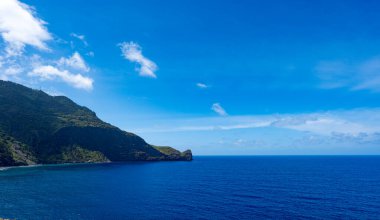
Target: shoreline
{"type": "Point", "coordinates": [86, 163]}
{"type": "Point", "coordinates": [49, 165]}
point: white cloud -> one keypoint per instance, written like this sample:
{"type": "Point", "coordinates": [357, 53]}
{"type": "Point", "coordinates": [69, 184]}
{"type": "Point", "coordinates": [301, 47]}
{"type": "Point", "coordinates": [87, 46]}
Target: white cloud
{"type": "Point", "coordinates": [202, 85]}
{"type": "Point", "coordinates": [327, 132]}
{"type": "Point", "coordinates": [13, 70]}
{"type": "Point", "coordinates": [363, 75]}
{"type": "Point", "coordinates": [49, 72]}
{"type": "Point", "coordinates": [19, 27]}
{"type": "Point", "coordinates": [216, 107]}
{"type": "Point", "coordinates": [322, 124]}
{"type": "Point", "coordinates": [80, 37]}
{"type": "Point", "coordinates": [369, 74]}
{"type": "Point", "coordinates": [133, 52]}
{"type": "Point", "coordinates": [90, 54]}
{"type": "Point", "coordinates": [354, 131]}
{"type": "Point", "coordinates": [350, 122]}
{"type": "Point", "coordinates": [53, 92]}
{"type": "Point", "coordinates": [75, 61]}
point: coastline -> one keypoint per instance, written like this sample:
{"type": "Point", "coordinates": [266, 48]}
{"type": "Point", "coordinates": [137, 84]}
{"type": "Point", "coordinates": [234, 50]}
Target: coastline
{"type": "Point", "coordinates": [85, 163]}
{"type": "Point", "coordinates": [50, 165]}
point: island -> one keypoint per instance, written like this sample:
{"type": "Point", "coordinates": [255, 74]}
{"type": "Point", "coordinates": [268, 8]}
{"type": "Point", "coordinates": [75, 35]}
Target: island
{"type": "Point", "coordinates": [36, 128]}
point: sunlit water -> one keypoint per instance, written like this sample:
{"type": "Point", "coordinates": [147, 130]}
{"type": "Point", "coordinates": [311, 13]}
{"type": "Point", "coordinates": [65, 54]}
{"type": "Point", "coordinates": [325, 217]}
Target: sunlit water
{"type": "Point", "coordinates": [290, 187]}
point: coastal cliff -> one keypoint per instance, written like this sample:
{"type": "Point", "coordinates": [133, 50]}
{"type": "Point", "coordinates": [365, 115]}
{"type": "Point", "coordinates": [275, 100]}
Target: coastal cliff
{"type": "Point", "coordinates": [36, 128]}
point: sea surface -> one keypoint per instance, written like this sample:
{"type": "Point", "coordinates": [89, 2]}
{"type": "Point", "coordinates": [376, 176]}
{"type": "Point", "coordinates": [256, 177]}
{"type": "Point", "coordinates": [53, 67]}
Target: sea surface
{"type": "Point", "coordinates": [254, 187]}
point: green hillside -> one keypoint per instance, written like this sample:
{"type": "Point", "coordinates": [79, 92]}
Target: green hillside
{"type": "Point", "coordinates": [36, 128]}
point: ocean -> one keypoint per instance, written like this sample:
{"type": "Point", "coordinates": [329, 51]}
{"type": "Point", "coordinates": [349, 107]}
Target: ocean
{"type": "Point", "coordinates": [217, 187]}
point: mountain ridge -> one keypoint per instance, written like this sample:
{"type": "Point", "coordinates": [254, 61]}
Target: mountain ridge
{"type": "Point", "coordinates": [36, 128]}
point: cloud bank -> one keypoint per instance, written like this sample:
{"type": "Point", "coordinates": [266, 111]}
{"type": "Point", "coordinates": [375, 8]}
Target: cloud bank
{"type": "Point", "coordinates": [350, 122]}
{"type": "Point", "coordinates": [323, 132]}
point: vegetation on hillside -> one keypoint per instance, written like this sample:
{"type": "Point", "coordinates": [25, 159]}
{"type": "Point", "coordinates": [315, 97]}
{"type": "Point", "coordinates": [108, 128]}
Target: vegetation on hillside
{"type": "Point", "coordinates": [173, 153]}
{"type": "Point", "coordinates": [38, 128]}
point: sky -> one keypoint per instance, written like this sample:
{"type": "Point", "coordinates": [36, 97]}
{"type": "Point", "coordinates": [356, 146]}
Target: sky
{"type": "Point", "coordinates": [221, 77]}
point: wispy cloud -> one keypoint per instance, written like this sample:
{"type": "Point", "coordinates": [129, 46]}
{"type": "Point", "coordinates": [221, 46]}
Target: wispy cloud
{"type": "Point", "coordinates": [75, 61]}
{"type": "Point", "coordinates": [48, 72]}
{"type": "Point", "coordinates": [352, 75]}
{"type": "Point", "coordinates": [53, 92]}
{"type": "Point", "coordinates": [11, 71]}
{"type": "Point", "coordinates": [80, 37]}
{"type": "Point", "coordinates": [133, 52]}
{"type": "Point", "coordinates": [202, 85]}
{"type": "Point", "coordinates": [350, 122]}
{"type": "Point", "coordinates": [90, 54]}
{"type": "Point", "coordinates": [216, 107]}
{"type": "Point", "coordinates": [20, 27]}
{"type": "Point", "coordinates": [313, 133]}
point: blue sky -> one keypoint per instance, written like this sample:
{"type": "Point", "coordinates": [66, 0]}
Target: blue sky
{"type": "Point", "coordinates": [219, 77]}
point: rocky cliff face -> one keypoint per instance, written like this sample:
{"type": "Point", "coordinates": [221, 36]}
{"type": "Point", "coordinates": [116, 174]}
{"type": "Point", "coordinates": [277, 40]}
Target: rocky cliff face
{"type": "Point", "coordinates": [38, 128]}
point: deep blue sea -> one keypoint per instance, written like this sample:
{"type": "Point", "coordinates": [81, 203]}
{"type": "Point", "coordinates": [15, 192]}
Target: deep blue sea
{"type": "Point", "coordinates": [256, 187]}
